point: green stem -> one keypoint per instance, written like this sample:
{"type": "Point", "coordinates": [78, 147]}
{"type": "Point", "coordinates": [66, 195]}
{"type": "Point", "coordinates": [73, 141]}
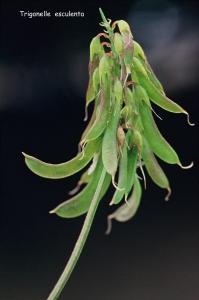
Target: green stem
{"type": "Point", "coordinates": [110, 31]}
{"type": "Point", "coordinates": [103, 16]}
{"type": "Point", "coordinates": [80, 242]}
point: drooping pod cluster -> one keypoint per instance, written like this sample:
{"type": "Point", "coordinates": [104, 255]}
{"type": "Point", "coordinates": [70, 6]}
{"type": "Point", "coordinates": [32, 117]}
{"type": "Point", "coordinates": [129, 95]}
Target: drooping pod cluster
{"type": "Point", "coordinates": [121, 135]}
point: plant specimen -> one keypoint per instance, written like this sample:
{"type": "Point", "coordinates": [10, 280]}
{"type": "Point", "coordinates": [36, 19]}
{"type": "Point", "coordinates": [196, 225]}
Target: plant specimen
{"type": "Point", "coordinates": [120, 137]}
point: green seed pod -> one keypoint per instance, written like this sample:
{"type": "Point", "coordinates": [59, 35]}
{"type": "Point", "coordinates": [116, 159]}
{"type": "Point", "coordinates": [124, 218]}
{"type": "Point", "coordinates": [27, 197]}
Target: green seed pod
{"type": "Point", "coordinates": [153, 168]}
{"type": "Point", "coordinates": [90, 94]}
{"type": "Point", "coordinates": [136, 140]}
{"type": "Point", "coordinates": [123, 25]}
{"type": "Point", "coordinates": [128, 48]}
{"type": "Point", "coordinates": [139, 54]}
{"type": "Point", "coordinates": [96, 80]}
{"type": "Point", "coordinates": [129, 94]}
{"type": "Point", "coordinates": [131, 169]}
{"type": "Point", "coordinates": [56, 171]}
{"type": "Point", "coordinates": [97, 111]}
{"type": "Point", "coordinates": [120, 137]}
{"type": "Point", "coordinates": [111, 61]}
{"type": "Point", "coordinates": [153, 136]}
{"type": "Point", "coordinates": [138, 51]}
{"type": "Point", "coordinates": [126, 112]}
{"type": "Point", "coordinates": [141, 94]}
{"type": "Point", "coordinates": [158, 98]}
{"type": "Point", "coordinates": [104, 66]}
{"type": "Point", "coordinates": [109, 144]}
{"type": "Point", "coordinates": [118, 44]}
{"type": "Point", "coordinates": [138, 67]}
{"type": "Point", "coordinates": [126, 211]}
{"type": "Point", "coordinates": [134, 76]}
{"type": "Point", "coordinates": [127, 41]}
{"type": "Point", "coordinates": [118, 90]}
{"type": "Point", "coordinates": [95, 47]}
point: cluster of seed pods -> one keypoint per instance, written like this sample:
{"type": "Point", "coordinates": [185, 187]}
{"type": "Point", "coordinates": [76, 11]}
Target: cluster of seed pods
{"type": "Point", "coordinates": [121, 135]}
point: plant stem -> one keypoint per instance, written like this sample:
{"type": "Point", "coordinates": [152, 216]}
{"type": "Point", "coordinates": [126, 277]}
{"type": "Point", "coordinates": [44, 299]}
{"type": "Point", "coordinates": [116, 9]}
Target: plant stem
{"type": "Point", "coordinates": [80, 242]}
{"type": "Point", "coordinates": [110, 31]}
{"type": "Point", "coordinates": [103, 16]}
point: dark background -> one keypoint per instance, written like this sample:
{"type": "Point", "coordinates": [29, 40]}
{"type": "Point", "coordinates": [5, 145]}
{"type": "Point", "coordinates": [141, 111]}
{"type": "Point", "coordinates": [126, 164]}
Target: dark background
{"type": "Point", "coordinates": [44, 75]}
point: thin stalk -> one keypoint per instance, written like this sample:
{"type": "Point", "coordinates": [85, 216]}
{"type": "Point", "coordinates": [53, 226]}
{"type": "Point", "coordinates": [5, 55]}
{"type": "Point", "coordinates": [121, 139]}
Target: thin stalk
{"type": "Point", "coordinates": [103, 16]}
{"type": "Point", "coordinates": [109, 30]}
{"type": "Point", "coordinates": [80, 242]}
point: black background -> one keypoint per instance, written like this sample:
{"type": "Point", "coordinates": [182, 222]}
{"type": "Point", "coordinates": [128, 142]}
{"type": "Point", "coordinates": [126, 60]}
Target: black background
{"type": "Point", "coordinates": [44, 71]}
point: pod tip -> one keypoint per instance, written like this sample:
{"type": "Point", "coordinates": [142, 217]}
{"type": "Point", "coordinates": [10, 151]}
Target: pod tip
{"type": "Point", "coordinates": [75, 190]}
{"type": "Point", "coordinates": [24, 154]}
{"type": "Point", "coordinates": [52, 211]}
{"type": "Point", "coordinates": [186, 167]}
{"type": "Point", "coordinates": [109, 223]}
{"type": "Point", "coordinates": [86, 112]}
{"type": "Point", "coordinates": [126, 200]}
{"type": "Point", "coordinates": [168, 195]}
{"type": "Point", "coordinates": [111, 203]}
{"type": "Point", "coordinates": [115, 184]}
{"type": "Point", "coordinates": [83, 145]}
{"type": "Point", "coordinates": [191, 124]}
{"type": "Point", "coordinates": [143, 174]}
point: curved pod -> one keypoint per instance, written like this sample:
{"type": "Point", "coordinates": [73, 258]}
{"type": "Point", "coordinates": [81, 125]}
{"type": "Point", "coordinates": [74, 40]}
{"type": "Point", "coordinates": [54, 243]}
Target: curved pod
{"type": "Point", "coordinates": [80, 203]}
{"type": "Point", "coordinates": [156, 141]}
{"type": "Point", "coordinates": [56, 171]}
